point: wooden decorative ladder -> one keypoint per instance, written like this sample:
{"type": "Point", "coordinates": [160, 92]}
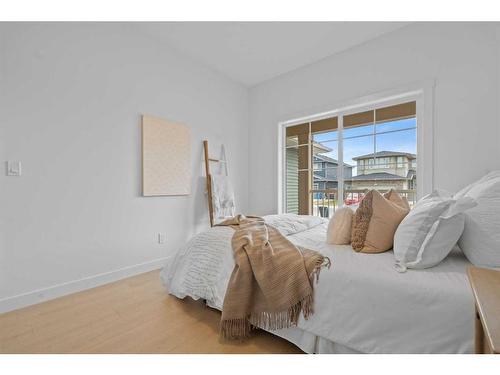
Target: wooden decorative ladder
{"type": "Point", "coordinates": [208, 159]}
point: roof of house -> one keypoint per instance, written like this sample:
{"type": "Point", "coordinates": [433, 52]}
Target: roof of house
{"type": "Point", "coordinates": [386, 153]}
{"type": "Point", "coordinates": [377, 176]}
{"type": "Point", "coordinates": [318, 178]}
{"type": "Point", "coordinates": [317, 147]}
{"type": "Point", "coordinates": [330, 160]}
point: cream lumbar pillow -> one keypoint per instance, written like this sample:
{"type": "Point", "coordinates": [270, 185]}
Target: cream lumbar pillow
{"type": "Point", "coordinates": [376, 221]}
{"type": "Point", "coordinates": [339, 227]}
{"type": "Point", "coordinates": [430, 231]}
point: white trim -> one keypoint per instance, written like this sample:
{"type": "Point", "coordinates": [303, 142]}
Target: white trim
{"type": "Point", "coordinates": [340, 159]}
{"type": "Point", "coordinates": [59, 290]}
{"type": "Point", "coordinates": [366, 102]}
{"type": "Point", "coordinates": [425, 141]}
{"type": "Point", "coordinates": [422, 92]}
{"type": "Point", "coordinates": [281, 171]}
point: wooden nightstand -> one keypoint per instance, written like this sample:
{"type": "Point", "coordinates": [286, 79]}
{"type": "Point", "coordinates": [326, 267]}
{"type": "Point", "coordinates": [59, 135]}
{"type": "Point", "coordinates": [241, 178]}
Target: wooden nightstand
{"type": "Point", "coordinates": [486, 287]}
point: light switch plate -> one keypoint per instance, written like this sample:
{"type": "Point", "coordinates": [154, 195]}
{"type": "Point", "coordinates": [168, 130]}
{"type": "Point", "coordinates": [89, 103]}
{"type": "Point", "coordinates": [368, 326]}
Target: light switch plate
{"type": "Point", "coordinates": [13, 168]}
{"type": "Point", "coordinates": [162, 238]}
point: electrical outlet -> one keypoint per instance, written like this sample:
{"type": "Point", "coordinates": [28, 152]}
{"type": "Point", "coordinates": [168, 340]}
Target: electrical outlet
{"type": "Point", "coordinates": [162, 238]}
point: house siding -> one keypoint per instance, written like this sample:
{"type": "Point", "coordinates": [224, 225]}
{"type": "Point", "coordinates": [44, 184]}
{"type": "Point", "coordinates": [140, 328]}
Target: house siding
{"type": "Point", "coordinates": [379, 185]}
{"type": "Point", "coordinates": [292, 181]}
{"type": "Point", "coordinates": [387, 164]}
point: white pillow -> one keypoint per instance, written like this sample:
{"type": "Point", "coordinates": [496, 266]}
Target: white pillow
{"type": "Point", "coordinates": [489, 177]}
{"type": "Point", "coordinates": [430, 231]}
{"type": "Point", "coordinates": [480, 240]}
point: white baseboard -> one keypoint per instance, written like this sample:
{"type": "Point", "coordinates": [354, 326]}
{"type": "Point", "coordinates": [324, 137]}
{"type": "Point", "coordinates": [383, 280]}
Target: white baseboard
{"type": "Point", "coordinates": [59, 290]}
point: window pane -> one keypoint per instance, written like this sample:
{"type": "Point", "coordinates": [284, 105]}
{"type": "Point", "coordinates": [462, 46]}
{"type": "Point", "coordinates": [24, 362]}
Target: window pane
{"type": "Point", "coordinates": [396, 125]}
{"type": "Point", "coordinates": [325, 179]}
{"type": "Point", "coordinates": [393, 166]}
{"type": "Point", "coordinates": [404, 141]}
{"type": "Point", "coordinates": [328, 173]}
{"type": "Point", "coordinates": [326, 151]}
{"type": "Point", "coordinates": [378, 156]}
{"type": "Point", "coordinates": [357, 154]}
{"type": "Point", "coordinates": [324, 192]}
{"type": "Point", "coordinates": [356, 131]}
{"type": "Point", "coordinates": [398, 149]}
{"type": "Point", "coordinates": [325, 136]}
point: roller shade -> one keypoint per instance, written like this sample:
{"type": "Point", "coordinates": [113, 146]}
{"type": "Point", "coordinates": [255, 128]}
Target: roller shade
{"type": "Point", "coordinates": [358, 119]}
{"type": "Point", "coordinates": [319, 126]}
{"type": "Point", "coordinates": [391, 113]}
{"type": "Point", "coordinates": [396, 112]}
{"type": "Point", "coordinates": [324, 125]}
{"type": "Point", "coordinates": [297, 130]}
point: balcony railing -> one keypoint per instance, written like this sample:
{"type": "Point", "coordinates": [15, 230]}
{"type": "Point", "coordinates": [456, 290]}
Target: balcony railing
{"type": "Point", "coordinates": [325, 201]}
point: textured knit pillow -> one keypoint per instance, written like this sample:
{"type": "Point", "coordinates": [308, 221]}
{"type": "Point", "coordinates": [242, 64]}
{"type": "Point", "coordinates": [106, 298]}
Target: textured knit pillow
{"type": "Point", "coordinates": [339, 227]}
{"type": "Point", "coordinates": [376, 221]}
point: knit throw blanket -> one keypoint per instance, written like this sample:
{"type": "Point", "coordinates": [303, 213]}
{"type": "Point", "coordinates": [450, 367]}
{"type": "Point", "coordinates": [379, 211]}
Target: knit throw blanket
{"type": "Point", "coordinates": [272, 281]}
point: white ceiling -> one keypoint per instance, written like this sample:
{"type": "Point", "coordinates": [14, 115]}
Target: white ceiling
{"type": "Point", "coordinates": [253, 52]}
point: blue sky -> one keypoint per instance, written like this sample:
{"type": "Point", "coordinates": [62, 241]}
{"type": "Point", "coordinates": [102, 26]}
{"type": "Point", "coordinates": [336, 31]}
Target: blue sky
{"type": "Point", "coordinates": [403, 141]}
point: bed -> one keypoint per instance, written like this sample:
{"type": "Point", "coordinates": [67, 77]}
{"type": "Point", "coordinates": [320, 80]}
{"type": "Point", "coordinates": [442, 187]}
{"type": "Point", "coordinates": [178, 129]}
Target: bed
{"type": "Point", "coordinates": [362, 304]}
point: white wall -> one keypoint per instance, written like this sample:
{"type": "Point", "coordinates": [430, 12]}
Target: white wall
{"type": "Point", "coordinates": [463, 59]}
{"type": "Point", "coordinates": [71, 96]}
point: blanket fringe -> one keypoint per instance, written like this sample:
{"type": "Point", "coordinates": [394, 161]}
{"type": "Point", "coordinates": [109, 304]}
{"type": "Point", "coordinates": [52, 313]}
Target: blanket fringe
{"type": "Point", "coordinates": [320, 263]}
{"type": "Point", "coordinates": [240, 328]}
{"type": "Point", "coordinates": [232, 329]}
{"type": "Point", "coordinates": [283, 319]}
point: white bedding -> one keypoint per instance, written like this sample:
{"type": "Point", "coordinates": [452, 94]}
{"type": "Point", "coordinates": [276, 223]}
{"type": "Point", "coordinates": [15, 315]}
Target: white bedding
{"type": "Point", "coordinates": [361, 303]}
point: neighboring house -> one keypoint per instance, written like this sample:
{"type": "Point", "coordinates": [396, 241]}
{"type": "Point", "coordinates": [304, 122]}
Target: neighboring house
{"type": "Point", "coordinates": [385, 170]}
{"type": "Point", "coordinates": [325, 172]}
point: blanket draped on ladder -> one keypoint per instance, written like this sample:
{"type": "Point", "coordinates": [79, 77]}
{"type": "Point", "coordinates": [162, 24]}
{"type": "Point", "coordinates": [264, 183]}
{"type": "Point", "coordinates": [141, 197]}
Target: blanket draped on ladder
{"type": "Point", "coordinates": [272, 281]}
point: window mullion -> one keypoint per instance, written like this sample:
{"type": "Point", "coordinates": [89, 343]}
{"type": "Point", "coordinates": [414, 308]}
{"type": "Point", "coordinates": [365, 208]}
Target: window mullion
{"type": "Point", "coordinates": [310, 172]}
{"type": "Point", "coordinates": [374, 137]}
{"type": "Point", "coordinates": [340, 167]}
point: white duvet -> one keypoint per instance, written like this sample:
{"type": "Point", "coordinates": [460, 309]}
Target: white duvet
{"type": "Point", "coordinates": [361, 302]}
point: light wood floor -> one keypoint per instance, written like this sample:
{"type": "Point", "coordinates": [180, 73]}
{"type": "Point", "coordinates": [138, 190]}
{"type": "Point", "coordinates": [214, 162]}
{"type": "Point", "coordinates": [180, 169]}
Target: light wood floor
{"type": "Point", "coordinates": [134, 315]}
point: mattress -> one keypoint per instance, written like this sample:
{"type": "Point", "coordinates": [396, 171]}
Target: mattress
{"type": "Point", "coordinates": [362, 304]}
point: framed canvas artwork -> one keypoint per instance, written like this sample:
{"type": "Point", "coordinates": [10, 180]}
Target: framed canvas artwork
{"type": "Point", "coordinates": [166, 157]}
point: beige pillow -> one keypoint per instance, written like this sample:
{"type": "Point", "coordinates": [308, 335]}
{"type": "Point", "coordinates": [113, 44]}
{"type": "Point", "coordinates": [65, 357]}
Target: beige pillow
{"type": "Point", "coordinates": [394, 196]}
{"type": "Point", "coordinates": [376, 221]}
{"type": "Point", "coordinates": [339, 227]}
